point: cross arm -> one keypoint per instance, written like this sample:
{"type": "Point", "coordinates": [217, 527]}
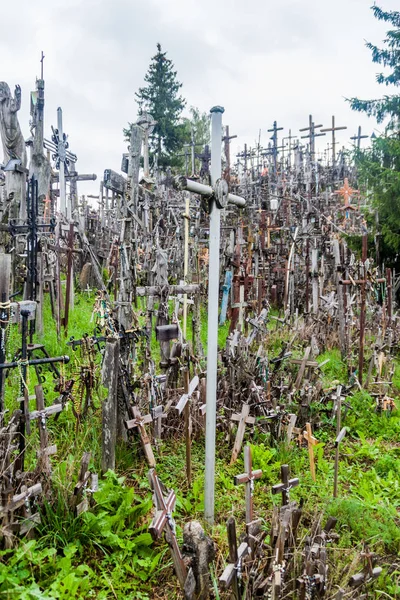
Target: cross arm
{"type": "Point", "coordinates": [181, 183]}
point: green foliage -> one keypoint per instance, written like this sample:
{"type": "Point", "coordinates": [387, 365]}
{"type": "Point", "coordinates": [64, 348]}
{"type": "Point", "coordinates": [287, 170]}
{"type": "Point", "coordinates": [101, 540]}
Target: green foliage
{"type": "Point", "coordinates": [388, 57]}
{"type": "Point", "coordinates": [378, 526]}
{"type": "Point", "coordinates": [160, 97]}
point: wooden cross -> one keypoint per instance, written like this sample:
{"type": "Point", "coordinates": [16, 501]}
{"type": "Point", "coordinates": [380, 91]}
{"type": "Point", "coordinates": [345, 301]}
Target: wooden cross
{"type": "Point", "coordinates": [333, 129]}
{"type": "Point", "coordinates": [311, 442]}
{"type": "Point", "coordinates": [303, 365]}
{"type": "Point", "coordinates": [286, 485]}
{"type": "Point", "coordinates": [81, 501]}
{"type": "Point", "coordinates": [140, 422]}
{"type": "Point", "coordinates": [184, 405]}
{"type": "Point", "coordinates": [232, 574]}
{"type": "Point", "coordinates": [163, 521]}
{"type": "Point", "coordinates": [41, 414]}
{"type": "Point", "coordinates": [358, 137]}
{"type": "Point", "coordinates": [247, 479]}
{"type": "Point", "coordinates": [243, 419]}
{"type": "Point", "coordinates": [157, 414]}
{"type": "Point", "coordinates": [311, 135]}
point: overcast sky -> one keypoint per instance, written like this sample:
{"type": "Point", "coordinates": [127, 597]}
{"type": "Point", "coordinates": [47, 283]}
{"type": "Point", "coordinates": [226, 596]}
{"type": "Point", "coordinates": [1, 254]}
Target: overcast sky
{"type": "Point", "coordinates": [263, 60]}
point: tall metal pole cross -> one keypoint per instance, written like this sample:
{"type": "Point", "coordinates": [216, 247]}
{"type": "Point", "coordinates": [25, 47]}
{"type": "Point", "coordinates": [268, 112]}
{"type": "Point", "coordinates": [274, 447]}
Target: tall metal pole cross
{"type": "Point", "coordinates": [219, 197]}
{"type": "Point", "coordinates": [62, 159]}
{"type": "Point", "coordinates": [333, 129]}
{"type": "Point", "coordinates": [311, 135]}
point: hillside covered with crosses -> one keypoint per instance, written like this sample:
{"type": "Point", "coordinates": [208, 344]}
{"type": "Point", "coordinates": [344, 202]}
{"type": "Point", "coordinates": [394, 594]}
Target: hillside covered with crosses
{"type": "Point", "coordinates": [200, 362]}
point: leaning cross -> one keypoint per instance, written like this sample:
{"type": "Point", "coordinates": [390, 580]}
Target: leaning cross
{"type": "Point", "coordinates": [163, 521]}
{"type": "Point", "coordinates": [244, 419]}
{"type": "Point", "coordinates": [219, 197]}
{"type": "Point", "coordinates": [232, 574]}
{"type": "Point", "coordinates": [247, 479]}
{"type": "Point", "coordinates": [184, 405]}
{"type": "Point", "coordinates": [286, 485]}
{"type": "Point", "coordinates": [311, 441]}
{"type": "Point", "coordinates": [303, 366]}
{"type": "Point", "coordinates": [140, 422]}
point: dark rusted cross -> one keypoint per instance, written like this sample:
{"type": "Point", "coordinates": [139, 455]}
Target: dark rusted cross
{"type": "Point", "coordinates": [232, 574]}
{"type": "Point", "coordinates": [163, 521]}
{"type": "Point", "coordinates": [140, 422]}
{"type": "Point", "coordinates": [286, 485]}
{"type": "Point", "coordinates": [248, 479]}
{"type": "Point", "coordinates": [362, 283]}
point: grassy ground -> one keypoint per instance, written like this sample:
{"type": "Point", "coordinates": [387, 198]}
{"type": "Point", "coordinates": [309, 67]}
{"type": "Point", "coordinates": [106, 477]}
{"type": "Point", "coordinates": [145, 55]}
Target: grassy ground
{"type": "Point", "coordinates": [107, 552]}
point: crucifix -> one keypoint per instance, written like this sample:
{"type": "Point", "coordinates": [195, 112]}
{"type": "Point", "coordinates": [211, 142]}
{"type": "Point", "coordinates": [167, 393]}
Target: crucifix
{"type": "Point", "coordinates": [59, 138]}
{"type": "Point", "coordinates": [333, 129]}
{"type": "Point", "coordinates": [311, 442]}
{"type": "Point", "coordinates": [184, 405]}
{"type": "Point", "coordinates": [227, 139]}
{"type": "Point", "coordinates": [205, 158]}
{"type": "Point", "coordinates": [243, 419]}
{"type": "Point", "coordinates": [248, 479]}
{"type": "Point", "coordinates": [274, 138]}
{"type": "Point", "coordinates": [139, 422]}
{"type": "Point", "coordinates": [218, 196]}
{"type": "Point", "coordinates": [147, 124]}
{"type": "Point", "coordinates": [163, 521]}
{"type": "Point", "coordinates": [286, 485]}
{"type": "Point", "coordinates": [232, 574]}
{"type": "Point", "coordinates": [358, 137]}
{"type": "Point", "coordinates": [311, 135]}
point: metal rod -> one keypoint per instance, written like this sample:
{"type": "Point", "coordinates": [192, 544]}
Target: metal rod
{"type": "Point", "coordinates": [206, 190]}
{"type": "Point", "coordinates": [212, 333]}
{"type": "Point", "coordinates": [36, 361]}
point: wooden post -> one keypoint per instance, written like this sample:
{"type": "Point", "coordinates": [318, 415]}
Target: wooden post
{"type": "Point", "coordinates": [311, 441]}
{"type": "Point", "coordinates": [184, 405]}
{"type": "Point", "coordinates": [109, 426]}
{"type": "Point", "coordinates": [5, 316]}
{"type": "Point", "coordinates": [231, 576]}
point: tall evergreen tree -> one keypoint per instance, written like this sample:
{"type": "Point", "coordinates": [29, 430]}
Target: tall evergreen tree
{"type": "Point", "coordinates": [379, 166]}
{"type": "Point", "coordinates": [160, 97]}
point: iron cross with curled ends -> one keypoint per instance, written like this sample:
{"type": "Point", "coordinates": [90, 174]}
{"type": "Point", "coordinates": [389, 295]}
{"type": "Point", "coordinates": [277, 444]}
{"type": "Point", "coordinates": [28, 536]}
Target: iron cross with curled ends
{"type": "Point", "coordinates": [62, 145]}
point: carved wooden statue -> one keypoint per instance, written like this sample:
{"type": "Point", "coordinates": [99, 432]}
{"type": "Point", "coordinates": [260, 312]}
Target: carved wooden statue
{"type": "Point", "coordinates": [13, 148]}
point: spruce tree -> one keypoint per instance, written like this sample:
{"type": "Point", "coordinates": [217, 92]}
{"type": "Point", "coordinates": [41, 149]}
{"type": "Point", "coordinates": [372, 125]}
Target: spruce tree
{"type": "Point", "coordinates": [160, 97]}
{"type": "Point", "coordinates": [379, 166]}
{"type": "Point", "coordinates": [389, 58]}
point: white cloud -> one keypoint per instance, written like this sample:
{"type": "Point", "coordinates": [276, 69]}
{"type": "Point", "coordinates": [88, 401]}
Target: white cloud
{"type": "Point", "coordinates": [262, 60]}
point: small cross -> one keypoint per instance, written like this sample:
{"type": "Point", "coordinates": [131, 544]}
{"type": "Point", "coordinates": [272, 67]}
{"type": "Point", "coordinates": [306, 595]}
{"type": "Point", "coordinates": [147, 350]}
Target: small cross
{"type": "Point", "coordinates": [247, 479]}
{"type": "Point", "coordinates": [244, 419]}
{"type": "Point", "coordinates": [286, 485]}
{"type": "Point", "coordinates": [184, 405]}
{"type": "Point", "coordinates": [232, 574]}
{"type": "Point", "coordinates": [163, 521]}
{"type": "Point", "coordinates": [311, 441]}
{"type": "Point", "coordinates": [140, 422]}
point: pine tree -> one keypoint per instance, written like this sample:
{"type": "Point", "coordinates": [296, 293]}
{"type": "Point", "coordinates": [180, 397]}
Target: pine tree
{"type": "Point", "coordinates": [162, 100]}
{"type": "Point", "coordinates": [379, 166]}
{"type": "Point", "coordinates": [389, 58]}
